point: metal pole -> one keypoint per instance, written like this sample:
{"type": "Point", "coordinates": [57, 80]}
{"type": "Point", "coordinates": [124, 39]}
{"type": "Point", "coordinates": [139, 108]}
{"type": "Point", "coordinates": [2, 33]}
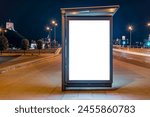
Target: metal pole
{"type": "Point", "coordinates": [130, 38]}
{"type": "Point", "coordinates": [148, 31]}
{"type": "Point", "coordinates": [50, 35]}
{"type": "Point", "coordinates": [50, 38]}
{"type": "Point", "coordinates": [55, 33]}
{"type": "Point", "coordinates": [55, 36]}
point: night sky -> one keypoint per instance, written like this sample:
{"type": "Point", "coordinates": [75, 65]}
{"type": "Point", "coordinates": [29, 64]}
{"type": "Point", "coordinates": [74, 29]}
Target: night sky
{"type": "Point", "coordinates": [31, 16]}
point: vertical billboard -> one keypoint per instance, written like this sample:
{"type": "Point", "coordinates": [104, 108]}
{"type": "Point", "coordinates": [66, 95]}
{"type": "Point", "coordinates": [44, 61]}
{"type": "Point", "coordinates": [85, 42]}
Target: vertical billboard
{"type": "Point", "coordinates": [87, 47]}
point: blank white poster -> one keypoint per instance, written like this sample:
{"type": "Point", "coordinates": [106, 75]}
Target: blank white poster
{"type": "Point", "coordinates": [89, 50]}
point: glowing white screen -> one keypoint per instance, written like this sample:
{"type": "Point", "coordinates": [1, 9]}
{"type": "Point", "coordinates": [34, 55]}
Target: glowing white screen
{"type": "Point", "coordinates": [89, 50]}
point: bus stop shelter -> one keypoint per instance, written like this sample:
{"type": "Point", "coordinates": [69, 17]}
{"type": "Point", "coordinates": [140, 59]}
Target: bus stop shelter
{"type": "Point", "coordinates": [87, 47]}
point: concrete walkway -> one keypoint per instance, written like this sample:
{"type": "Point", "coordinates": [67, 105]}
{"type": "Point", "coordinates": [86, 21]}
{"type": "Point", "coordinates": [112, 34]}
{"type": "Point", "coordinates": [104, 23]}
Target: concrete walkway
{"type": "Point", "coordinates": [22, 61]}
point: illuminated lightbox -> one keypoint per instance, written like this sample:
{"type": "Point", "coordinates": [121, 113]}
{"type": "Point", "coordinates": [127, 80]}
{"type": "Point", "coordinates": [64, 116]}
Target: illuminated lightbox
{"type": "Point", "coordinates": [89, 50]}
{"type": "Point", "coordinates": [87, 47]}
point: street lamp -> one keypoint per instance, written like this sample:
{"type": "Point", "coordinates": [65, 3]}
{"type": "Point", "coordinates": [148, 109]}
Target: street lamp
{"type": "Point", "coordinates": [148, 24]}
{"type": "Point", "coordinates": [130, 28]}
{"type": "Point", "coordinates": [49, 34]}
{"type": "Point", "coordinates": [54, 23]}
{"type": "Point", "coordinates": [47, 28]}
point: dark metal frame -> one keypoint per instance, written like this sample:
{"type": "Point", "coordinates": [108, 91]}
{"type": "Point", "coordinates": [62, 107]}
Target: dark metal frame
{"type": "Point", "coordinates": [66, 83]}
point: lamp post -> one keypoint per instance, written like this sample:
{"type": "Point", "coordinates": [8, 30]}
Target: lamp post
{"type": "Point", "coordinates": [130, 28]}
{"type": "Point", "coordinates": [54, 23]}
{"type": "Point", "coordinates": [49, 32]}
{"type": "Point", "coordinates": [148, 24]}
{"type": "Point", "coordinates": [48, 28]}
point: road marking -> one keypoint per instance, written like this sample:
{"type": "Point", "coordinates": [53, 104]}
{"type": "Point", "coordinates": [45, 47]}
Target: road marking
{"type": "Point", "coordinates": [58, 51]}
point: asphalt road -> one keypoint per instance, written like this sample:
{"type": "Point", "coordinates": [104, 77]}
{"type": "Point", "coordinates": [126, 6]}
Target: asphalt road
{"type": "Point", "coordinates": [140, 60]}
{"type": "Point", "coordinates": [43, 81]}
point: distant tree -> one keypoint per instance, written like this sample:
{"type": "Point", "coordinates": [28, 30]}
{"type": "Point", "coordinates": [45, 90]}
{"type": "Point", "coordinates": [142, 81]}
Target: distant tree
{"type": "Point", "coordinates": [25, 45]}
{"type": "Point", "coordinates": [39, 45]}
{"type": "Point", "coordinates": [3, 43]}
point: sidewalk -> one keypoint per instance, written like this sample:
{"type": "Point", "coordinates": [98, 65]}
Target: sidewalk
{"type": "Point", "coordinates": [23, 61]}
